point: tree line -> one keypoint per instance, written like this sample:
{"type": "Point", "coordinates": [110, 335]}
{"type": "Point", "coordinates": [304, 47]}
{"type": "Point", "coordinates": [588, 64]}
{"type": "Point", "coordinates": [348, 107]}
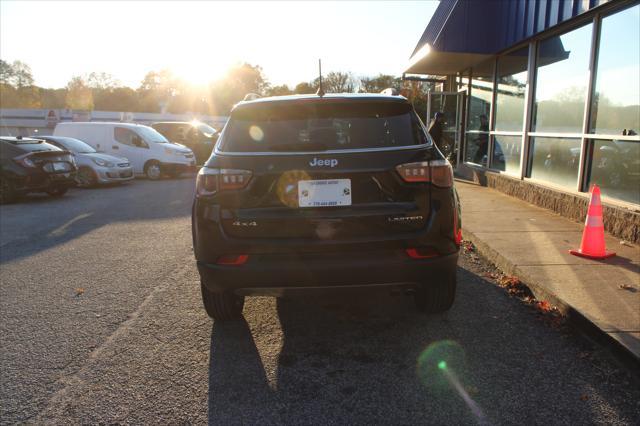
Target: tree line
{"type": "Point", "coordinates": [163, 91]}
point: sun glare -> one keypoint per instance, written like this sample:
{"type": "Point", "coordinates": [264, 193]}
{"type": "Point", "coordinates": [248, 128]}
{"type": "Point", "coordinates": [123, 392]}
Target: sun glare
{"type": "Point", "coordinates": [199, 73]}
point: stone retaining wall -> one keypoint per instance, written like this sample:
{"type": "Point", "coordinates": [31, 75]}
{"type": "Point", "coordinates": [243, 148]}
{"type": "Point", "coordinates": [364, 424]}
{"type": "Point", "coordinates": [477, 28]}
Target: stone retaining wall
{"type": "Point", "coordinates": [619, 221]}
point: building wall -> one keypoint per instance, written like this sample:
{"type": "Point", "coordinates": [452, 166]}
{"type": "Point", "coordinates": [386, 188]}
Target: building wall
{"type": "Point", "coordinates": [563, 108]}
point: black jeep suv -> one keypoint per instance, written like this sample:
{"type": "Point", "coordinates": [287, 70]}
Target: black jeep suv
{"type": "Point", "coordinates": [324, 192]}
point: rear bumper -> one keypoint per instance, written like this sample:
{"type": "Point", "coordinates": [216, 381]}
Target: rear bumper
{"type": "Point", "coordinates": [281, 274]}
{"type": "Point", "coordinates": [40, 182]}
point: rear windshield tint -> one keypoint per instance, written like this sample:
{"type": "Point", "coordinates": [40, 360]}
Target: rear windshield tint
{"type": "Point", "coordinates": [322, 126]}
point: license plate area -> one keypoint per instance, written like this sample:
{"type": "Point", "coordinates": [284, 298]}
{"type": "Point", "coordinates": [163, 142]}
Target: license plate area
{"type": "Point", "coordinates": [324, 193]}
{"type": "Point", "coordinates": [57, 166]}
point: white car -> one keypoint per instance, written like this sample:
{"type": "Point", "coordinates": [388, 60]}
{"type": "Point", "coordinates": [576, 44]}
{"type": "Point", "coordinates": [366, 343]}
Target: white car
{"type": "Point", "coordinates": [150, 153]}
{"type": "Point", "coordinates": [93, 167]}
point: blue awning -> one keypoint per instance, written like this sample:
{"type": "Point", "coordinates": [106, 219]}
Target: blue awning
{"type": "Point", "coordinates": [463, 33]}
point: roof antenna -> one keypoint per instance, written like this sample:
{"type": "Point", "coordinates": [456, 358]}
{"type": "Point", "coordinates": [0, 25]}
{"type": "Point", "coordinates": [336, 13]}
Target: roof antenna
{"type": "Point", "coordinates": [320, 91]}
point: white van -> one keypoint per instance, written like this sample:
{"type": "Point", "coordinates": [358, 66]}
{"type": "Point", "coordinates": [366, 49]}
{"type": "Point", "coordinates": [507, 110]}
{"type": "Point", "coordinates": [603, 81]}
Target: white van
{"type": "Point", "coordinates": [148, 151]}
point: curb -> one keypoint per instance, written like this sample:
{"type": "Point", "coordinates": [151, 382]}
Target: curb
{"type": "Point", "coordinates": [575, 318]}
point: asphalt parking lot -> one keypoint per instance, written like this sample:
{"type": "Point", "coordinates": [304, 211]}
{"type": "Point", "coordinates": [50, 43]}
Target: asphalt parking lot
{"type": "Point", "coordinates": [101, 322]}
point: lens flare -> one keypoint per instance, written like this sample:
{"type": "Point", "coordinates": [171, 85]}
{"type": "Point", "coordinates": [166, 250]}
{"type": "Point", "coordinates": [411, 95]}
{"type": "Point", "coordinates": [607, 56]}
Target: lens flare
{"type": "Point", "coordinates": [440, 366]}
{"type": "Point", "coordinates": [287, 187]}
{"type": "Point", "coordinates": [256, 133]}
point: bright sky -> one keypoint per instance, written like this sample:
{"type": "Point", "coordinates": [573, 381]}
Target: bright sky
{"type": "Point", "coordinates": [199, 40]}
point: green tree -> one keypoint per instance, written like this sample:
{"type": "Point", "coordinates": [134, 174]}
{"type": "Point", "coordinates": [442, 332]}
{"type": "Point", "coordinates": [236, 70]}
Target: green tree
{"type": "Point", "coordinates": [22, 76]}
{"type": "Point", "coordinates": [235, 85]}
{"type": "Point", "coordinates": [279, 90]}
{"type": "Point", "coordinates": [304, 88]}
{"type": "Point", "coordinates": [102, 81]}
{"type": "Point", "coordinates": [79, 95]}
{"type": "Point", "coordinates": [337, 82]}
{"type": "Point", "coordinates": [6, 72]}
{"type": "Point", "coordinates": [379, 83]}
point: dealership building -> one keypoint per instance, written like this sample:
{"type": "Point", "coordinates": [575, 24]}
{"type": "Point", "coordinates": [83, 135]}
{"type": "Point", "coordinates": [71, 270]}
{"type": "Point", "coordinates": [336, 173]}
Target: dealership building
{"type": "Point", "coordinates": [541, 99]}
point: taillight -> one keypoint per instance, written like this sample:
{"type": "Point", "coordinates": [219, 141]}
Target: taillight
{"type": "Point", "coordinates": [233, 259]}
{"type": "Point", "coordinates": [24, 160]}
{"type": "Point", "coordinates": [210, 181]}
{"type": "Point", "coordinates": [233, 179]}
{"type": "Point", "coordinates": [438, 172]}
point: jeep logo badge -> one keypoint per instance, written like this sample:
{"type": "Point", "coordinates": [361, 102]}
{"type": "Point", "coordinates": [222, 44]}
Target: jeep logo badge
{"type": "Point", "coordinates": [317, 162]}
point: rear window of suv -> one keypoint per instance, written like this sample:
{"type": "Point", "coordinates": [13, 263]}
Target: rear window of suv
{"type": "Point", "coordinates": [321, 126]}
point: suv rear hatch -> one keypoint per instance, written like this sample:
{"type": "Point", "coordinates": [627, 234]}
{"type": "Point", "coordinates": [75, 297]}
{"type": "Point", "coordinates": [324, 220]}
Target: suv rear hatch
{"type": "Point", "coordinates": [325, 169]}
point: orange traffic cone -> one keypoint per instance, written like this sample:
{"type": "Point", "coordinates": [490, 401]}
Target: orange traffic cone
{"type": "Point", "coordinates": [592, 245]}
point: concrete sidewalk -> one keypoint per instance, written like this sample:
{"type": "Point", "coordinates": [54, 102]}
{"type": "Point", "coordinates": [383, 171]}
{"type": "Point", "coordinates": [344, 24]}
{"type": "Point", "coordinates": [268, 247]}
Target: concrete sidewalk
{"type": "Point", "coordinates": [533, 244]}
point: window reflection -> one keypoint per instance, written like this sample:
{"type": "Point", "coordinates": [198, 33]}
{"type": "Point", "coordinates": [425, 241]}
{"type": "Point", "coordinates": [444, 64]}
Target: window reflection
{"type": "Point", "coordinates": [506, 153]}
{"type": "Point", "coordinates": [478, 113]}
{"type": "Point", "coordinates": [512, 83]}
{"type": "Point", "coordinates": [616, 169]}
{"type": "Point", "coordinates": [555, 160]}
{"type": "Point", "coordinates": [616, 100]}
{"type": "Point", "coordinates": [561, 81]}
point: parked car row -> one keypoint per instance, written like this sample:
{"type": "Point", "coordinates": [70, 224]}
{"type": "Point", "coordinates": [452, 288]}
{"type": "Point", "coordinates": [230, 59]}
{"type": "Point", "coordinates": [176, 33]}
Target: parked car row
{"type": "Point", "coordinates": [92, 153]}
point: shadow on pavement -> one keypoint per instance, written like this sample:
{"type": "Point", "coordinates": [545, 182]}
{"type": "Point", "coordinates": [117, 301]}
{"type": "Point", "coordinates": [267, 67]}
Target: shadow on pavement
{"type": "Point", "coordinates": [355, 361]}
{"type": "Point", "coordinates": [40, 222]}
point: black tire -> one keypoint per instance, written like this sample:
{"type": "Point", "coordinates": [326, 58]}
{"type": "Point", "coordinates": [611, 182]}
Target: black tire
{"type": "Point", "coordinates": [152, 170]}
{"type": "Point", "coordinates": [86, 177]}
{"type": "Point", "coordinates": [438, 295]}
{"type": "Point", "coordinates": [57, 191]}
{"type": "Point", "coordinates": [7, 192]}
{"type": "Point", "coordinates": [224, 306]}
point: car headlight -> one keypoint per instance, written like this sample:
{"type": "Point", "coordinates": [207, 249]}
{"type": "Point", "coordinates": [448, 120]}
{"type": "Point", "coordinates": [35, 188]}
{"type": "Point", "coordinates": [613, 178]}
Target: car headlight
{"type": "Point", "coordinates": [102, 163]}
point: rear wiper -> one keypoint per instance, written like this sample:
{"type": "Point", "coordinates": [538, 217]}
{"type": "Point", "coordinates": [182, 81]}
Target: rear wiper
{"type": "Point", "coordinates": [313, 146]}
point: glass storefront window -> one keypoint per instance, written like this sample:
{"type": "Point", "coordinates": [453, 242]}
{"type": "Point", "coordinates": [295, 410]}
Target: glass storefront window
{"type": "Point", "coordinates": [506, 153]}
{"type": "Point", "coordinates": [562, 77]}
{"type": "Point", "coordinates": [616, 100]}
{"type": "Point", "coordinates": [477, 146]}
{"type": "Point", "coordinates": [555, 160]}
{"type": "Point", "coordinates": [615, 167]}
{"type": "Point", "coordinates": [512, 83]}
{"type": "Point", "coordinates": [478, 112]}
{"type": "Point", "coordinates": [463, 82]}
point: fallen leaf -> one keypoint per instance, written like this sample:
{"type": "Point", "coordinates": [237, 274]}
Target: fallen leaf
{"type": "Point", "coordinates": [584, 397]}
{"type": "Point", "coordinates": [627, 287]}
{"type": "Point", "coordinates": [543, 306]}
{"type": "Point", "coordinates": [79, 291]}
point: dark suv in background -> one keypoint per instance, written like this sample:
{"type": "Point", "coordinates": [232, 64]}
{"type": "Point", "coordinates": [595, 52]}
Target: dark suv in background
{"type": "Point", "coordinates": [321, 193]}
{"type": "Point", "coordinates": [32, 165]}
{"type": "Point", "coordinates": [197, 136]}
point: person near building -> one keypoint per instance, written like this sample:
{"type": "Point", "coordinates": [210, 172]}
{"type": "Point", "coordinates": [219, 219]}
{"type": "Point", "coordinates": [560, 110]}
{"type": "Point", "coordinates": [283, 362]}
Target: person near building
{"type": "Point", "coordinates": [435, 129]}
{"type": "Point", "coordinates": [482, 141]}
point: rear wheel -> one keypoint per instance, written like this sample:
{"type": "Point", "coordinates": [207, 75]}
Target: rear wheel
{"type": "Point", "coordinates": [86, 177]}
{"type": "Point", "coordinates": [223, 306]}
{"type": "Point", "coordinates": [437, 296]}
{"type": "Point", "coordinates": [7, 191]}
{"type": "Point", "coordinates": [152, 170]}
{"type": "Point", "coordinates": [57, 191]}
